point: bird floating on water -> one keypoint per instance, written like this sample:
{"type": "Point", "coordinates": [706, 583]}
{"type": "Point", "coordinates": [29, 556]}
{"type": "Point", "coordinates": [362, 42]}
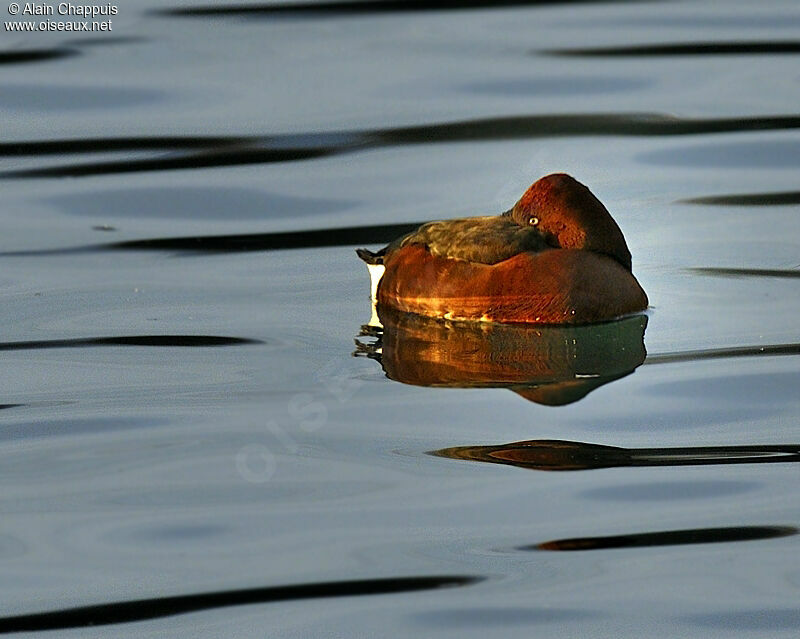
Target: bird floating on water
{"type": "Point", "coordinates": [556, 257]}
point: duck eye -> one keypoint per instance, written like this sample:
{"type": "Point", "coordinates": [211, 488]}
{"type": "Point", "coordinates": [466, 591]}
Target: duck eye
{"type": "Point", "coordinates": [533, 221]}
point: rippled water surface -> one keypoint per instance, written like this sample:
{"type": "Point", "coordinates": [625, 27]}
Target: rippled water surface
{"type": "Point", "coordinates": [188, 446]}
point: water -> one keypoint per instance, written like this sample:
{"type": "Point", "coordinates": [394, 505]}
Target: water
{"type": "Point", "coordinates": [188, 447]}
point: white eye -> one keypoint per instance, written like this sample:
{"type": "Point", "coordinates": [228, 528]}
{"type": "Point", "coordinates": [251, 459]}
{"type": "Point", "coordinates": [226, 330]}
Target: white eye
{"type": "Point", "coordinates": [533, 221]}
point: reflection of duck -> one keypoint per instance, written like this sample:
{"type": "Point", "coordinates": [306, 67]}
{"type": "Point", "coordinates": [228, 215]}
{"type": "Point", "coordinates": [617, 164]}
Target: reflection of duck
{"type": "Point", "coordinates": [552, 454]}
{"type": "Point", "coordinates": [556, 257]}
{"type": "Point", "coordinates": [550, 365]}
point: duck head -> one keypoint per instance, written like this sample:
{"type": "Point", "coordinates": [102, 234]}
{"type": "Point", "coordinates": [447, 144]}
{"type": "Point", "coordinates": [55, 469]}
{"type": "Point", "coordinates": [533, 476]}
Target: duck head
{"type": "Point", "coordinates": [569, 216]}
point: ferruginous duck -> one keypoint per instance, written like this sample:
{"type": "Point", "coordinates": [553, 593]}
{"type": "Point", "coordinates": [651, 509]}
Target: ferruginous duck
{"type": "Point", "coordinates": [556, 257]}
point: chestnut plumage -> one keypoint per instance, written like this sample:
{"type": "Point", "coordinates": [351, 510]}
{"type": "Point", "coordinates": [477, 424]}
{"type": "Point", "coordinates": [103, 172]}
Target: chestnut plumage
{"type": "Point", "coordinates": [556, 257]}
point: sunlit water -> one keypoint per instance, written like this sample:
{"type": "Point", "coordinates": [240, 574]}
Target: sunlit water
{"type": "Point", "coordinates": [187, 444]}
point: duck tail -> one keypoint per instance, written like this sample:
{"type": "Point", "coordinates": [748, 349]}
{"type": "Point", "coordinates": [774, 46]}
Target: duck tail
{"type": "Point", "coordinates": [372, 259]}
{"type": "Point", "coordinates": [376, 269]}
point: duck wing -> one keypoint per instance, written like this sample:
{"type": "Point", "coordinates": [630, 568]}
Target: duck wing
{"type": "Point", "coordinates": [485, 240]}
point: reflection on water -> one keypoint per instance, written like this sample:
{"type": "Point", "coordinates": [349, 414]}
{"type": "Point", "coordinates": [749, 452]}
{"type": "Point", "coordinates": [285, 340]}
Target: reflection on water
{"type": "Point", "coordinates": [748, 272]}
{"type": "Point", "coordinates": [766, 350]}
{"type": "Point", "coordinates": [566, 455]}
{"type": "Point", "coordinates": [669, 538]}
{"type": "Point", "coordinates": [267, 149]}
{"type": "Point", "coordinates": [245, 242]}
{"type": "Point", "coordinates": [350, 7]}
{"type": "Point", "coordinates": [130, 340]}
{"type": "Point", "coordinates": [550, 365]}
{"type": "Point", "coordinates": [129, 611]}
{"type": "Point", "coordinates": [35, 55]}
{"type": "Point", "coordinates": [770, 47]}
{"type": "Point", "coordinates": [783, 198]}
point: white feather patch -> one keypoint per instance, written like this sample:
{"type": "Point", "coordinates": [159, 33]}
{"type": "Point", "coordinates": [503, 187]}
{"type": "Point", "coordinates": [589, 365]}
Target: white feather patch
{"type": "Point", "coordinates": [375, 274]}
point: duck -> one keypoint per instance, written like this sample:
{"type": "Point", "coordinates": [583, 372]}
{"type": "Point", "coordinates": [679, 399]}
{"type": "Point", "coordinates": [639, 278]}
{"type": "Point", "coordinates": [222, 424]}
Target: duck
{"type": "Point", "coordinates": [555, 257]}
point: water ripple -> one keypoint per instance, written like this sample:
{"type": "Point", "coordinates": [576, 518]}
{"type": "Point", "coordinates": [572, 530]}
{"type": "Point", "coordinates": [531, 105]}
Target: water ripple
{"type": "Point", "coordinates": [668, 538]}
{"type": "Point", "coordinates": [747, 272]}
{"type": "Point", "coordinates": [767, 350]}
{"type": "Point", "coordinates": [130, 340]}
{"type": "Point", "coordinates": [242, 150]}
{"type": "Point", "coordinates": [110, 145]}
{"type": "Point", "coordinates": [35, 55]}
{"type": "Point", "coordinates": [553, 454]}
{"type": "Point", "coordinates": [358, 7]}
{"type": "Point", "coordinates": [316, 238]}
{"type": "Point", "coordinates": [770, 47]}
{"type": "Point", "coordinates": [138, 610]}
{"type": "Point", "coordinates": [779, 198]}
